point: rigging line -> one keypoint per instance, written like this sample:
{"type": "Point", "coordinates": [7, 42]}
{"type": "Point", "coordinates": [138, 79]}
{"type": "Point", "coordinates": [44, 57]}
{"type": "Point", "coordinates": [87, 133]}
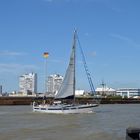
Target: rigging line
{"type": "Point", "coordinates": [86, 68]}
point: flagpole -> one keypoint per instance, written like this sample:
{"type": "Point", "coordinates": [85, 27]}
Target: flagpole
{"type": "Point", "coordinates": [45, 86]}
{"type": "Point", "coordinates": [46, 54]}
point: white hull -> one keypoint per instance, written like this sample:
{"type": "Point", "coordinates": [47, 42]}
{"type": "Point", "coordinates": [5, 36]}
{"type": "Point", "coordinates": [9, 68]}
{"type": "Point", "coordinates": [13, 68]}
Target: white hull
{"type": "Point", "coordinates": [64, 109]}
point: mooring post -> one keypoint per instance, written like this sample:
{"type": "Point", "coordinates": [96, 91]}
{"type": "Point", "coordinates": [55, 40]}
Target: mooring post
{"type": "Point", "coordinates": [132, 133]}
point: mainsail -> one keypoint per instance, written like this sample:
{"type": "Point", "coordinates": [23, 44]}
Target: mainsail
{"type": "Point", "coordinates": [67, 89]}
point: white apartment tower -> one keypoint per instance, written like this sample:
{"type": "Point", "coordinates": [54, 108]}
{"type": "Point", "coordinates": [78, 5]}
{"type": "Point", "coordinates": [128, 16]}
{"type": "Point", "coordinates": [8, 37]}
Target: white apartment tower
{"type": "Point", "coordinates": [54, 82]}
{"type": "Point", "coordinates": [28, 83]}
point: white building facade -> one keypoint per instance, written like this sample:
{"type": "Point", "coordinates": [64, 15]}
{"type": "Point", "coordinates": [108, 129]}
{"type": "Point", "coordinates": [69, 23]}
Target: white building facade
{"type": "Point", "coordinates": [54, 82]}
{"type": "Point", "coordinates": [79, 92]}
{"type": "Point", "coordinates": [28, 83]}
{"type": "Point", "coordinates": [128, 92]}
{"type": "Point", "coordinates": [105, 91]}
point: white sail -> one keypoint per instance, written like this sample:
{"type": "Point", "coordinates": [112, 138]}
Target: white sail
{"type": "Point", "coordinates": [67, 88]}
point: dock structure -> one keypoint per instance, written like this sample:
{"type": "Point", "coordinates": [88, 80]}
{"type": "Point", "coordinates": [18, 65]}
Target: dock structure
{"type": "Point", "coordinates": [132, 133]}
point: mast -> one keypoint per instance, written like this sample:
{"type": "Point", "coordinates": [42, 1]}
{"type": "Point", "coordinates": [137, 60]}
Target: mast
{"type": "Point", "coordinates": [74, 50]}
{"type": "Point", "coordinates": [103, 87]}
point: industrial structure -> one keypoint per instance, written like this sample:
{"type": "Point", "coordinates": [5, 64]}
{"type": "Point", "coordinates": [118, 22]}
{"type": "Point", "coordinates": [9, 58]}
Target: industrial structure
{"type": "Point", "coordinates": [128, 92]}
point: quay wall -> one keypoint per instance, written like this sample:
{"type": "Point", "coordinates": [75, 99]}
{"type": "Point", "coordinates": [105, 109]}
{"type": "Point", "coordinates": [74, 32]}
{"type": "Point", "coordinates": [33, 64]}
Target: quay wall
{"type": "Point", "coordinates": [29, 100]}
{"type": "Point", "coordinates": [16, 100]}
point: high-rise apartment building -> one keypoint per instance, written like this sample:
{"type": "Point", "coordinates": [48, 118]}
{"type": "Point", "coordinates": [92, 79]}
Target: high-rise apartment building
{"type": "Point", "coordinates": [54, 82]}
{"type": "Point", "coordinates": [28, 83]}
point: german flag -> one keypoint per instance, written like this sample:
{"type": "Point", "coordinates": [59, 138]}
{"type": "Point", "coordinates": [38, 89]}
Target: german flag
{"type": "Point", "coordinates": [46, 54]}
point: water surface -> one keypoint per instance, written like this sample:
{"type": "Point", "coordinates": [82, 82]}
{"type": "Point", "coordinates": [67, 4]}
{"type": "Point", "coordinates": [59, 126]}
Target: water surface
{"type": "Point", "coordinates": [109, 122]}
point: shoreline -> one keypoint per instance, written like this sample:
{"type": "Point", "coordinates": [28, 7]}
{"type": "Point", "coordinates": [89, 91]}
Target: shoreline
{"type": "Point", "coordinates": [29, 100]}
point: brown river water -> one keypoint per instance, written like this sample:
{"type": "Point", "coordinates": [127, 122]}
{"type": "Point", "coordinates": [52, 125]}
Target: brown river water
{"type": "Point", "coordinates": [109, 122]}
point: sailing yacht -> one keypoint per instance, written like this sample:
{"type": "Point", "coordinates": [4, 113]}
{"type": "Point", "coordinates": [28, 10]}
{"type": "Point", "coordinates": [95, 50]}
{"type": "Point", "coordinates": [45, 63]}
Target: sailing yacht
{"type": "Point", "coordinates": [66, 91]}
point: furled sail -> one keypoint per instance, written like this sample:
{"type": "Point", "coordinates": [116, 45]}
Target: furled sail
{"type": "Point", "coordinates": [67, 88]}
